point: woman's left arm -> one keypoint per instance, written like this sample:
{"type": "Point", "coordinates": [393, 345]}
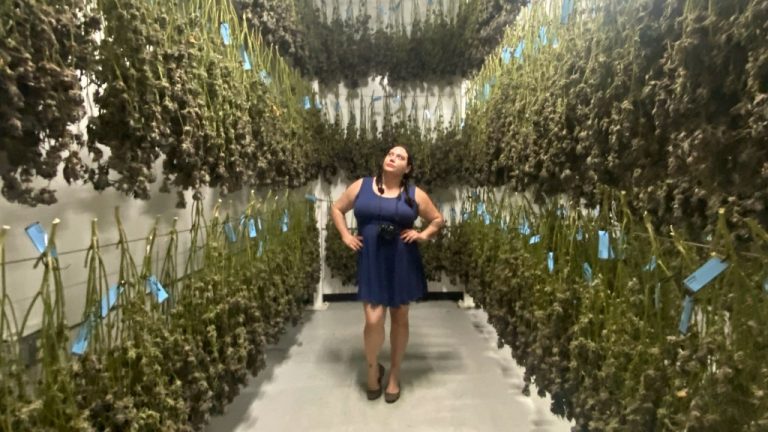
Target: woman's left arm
{"type": "Point", "coordinates": [429, 213]}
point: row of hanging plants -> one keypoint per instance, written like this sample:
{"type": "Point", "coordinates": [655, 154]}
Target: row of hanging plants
{"type": "Point", "coordinates": [339, 41]}
{"type": "Point", "coordinates": [601, 310]}
{"type": "Point", "coordinates": [43, 45]}
{"type": "Point", "coordinates": [667, 100]}
{"type": "Point", "coordinates": [356, 149]}
{"type": "Point", "coordinates": [163, 344]}
{"type": "Point", "coordinates": [197, 98]}
{"type": "Point", "coordinates": [182, 82]}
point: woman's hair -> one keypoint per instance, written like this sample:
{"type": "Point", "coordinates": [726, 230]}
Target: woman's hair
{"type": "Point", "coordinates": [406, 178]}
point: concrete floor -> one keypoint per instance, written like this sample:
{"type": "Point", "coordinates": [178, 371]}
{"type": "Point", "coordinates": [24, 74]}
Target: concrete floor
{"type": "Point", "coordinates": [453, 379]}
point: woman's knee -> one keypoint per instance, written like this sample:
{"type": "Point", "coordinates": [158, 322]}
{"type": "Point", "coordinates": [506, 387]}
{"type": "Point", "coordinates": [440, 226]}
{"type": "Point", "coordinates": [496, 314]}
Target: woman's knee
{"type": "Point", "coordinates": [374, 315]}
{"type": "Point", "coordinates": [399, 315]}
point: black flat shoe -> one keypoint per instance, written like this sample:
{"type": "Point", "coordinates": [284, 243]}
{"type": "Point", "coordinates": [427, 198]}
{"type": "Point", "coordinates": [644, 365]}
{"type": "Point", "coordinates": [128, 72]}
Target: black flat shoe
{"type": "Point", "coordinates": [392, 397]}
{"type": "Point", "coordinates": [375, 394]}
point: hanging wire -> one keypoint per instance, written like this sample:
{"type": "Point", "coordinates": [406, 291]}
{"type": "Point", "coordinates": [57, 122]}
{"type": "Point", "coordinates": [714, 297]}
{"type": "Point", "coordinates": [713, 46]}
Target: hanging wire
{"type": "Point", "coordinates": [76, 251]}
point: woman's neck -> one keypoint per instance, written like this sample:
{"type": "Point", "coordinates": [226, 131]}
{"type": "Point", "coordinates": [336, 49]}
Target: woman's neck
{"type": "Point", "coordinates": [391, 181]}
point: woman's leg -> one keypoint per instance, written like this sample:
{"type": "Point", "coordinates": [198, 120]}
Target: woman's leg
{"type": "Point", "coordinates": [399, 339]}
{"type": "Point", "coordinates": [373, 335]}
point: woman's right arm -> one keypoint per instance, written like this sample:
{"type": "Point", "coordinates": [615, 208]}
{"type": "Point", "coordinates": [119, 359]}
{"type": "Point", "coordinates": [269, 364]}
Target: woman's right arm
{"type": "Point", "coordinates": [339, 208]}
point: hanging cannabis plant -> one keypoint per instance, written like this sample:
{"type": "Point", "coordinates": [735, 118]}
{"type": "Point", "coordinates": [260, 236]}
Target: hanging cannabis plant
{"type": "Point", "coordinates": [277, 23]}
{"type": "Point", "coordinates": [45, 47]}
{"type": "Point", "coordinates": [450, 41]}
{"type": "Point", "coordinates": [136, 113]}
{"type": "Point", "coordinates": [639, 96]}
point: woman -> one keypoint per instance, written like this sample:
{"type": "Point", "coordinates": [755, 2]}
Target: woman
{"type": "Point", "coordinates": [390, 272]}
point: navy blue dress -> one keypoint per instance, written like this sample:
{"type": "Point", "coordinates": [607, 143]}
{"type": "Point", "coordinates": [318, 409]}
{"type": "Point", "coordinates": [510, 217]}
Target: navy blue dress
{"type": "Point", "coordinates": [389, 272]}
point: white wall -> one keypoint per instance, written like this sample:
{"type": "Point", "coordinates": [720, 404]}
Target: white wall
{"type": "Point", "coordinates": [446, 101]}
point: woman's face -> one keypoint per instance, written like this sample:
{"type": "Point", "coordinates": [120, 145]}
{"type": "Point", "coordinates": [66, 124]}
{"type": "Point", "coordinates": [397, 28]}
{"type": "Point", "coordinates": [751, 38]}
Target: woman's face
{"type": "Point", "coordinates": [396, 161]}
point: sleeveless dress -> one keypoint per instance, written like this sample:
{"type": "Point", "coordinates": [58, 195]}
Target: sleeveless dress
{"type": "Point", "coordinates": [389, 272]}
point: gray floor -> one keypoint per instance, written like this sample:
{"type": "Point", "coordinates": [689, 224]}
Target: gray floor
{"type": "Point", "coordinates": [453, 379]}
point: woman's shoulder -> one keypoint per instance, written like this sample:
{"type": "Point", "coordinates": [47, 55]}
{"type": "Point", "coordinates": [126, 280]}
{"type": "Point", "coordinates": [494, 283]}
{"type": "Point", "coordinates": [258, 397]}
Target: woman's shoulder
{"type": "Point", "coordinates": [357, 185]}
{"type": "Point", "coordinates": [421, 195]}
{"type": "Point", "coordinates": [419, 192]}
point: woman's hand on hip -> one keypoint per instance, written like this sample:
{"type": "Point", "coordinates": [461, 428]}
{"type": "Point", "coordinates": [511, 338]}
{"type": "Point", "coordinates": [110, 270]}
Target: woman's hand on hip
{"type": "Point", "coordinates": [411, 235]}
{"type": "Point", "coordinates": [353, 242]}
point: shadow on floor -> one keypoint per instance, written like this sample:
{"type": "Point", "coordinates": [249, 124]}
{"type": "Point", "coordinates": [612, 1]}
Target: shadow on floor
{"type": "Point", "coordinates": [418, 365]}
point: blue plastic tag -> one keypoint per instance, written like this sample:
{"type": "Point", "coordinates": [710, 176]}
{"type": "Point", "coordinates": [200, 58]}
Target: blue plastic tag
{"type": "Point", "coordinates": [566, 11]}
{"type": "Point", "coordinates": [465, 216]}
{"type": "Point", "coordinates": [519, 50]}
{"type": "Point", "coordinates": [685, 318]}
{"type": "Point", "coordinates": [265, 78]}
{"type": "Point", "coordinates": [480, 208]}
{"type": "Point", "coordinates": [246, 60]}
{"type": "Point", "coordinates": [486, 218]}
{"type": "Point", "coordinates": [311, 197]}
{"type": "Point", "coordinates": [651, 266]}
{"type": "Point", "coordinates": [604, 249]}
{"type": "Point", "coordinates": [506, 55]}
{"type": "Point", "coordinates": [705, 274]}
{"type": "Point", "coordinates": [252, 228]}
{"type": "Point", "coordinates": [587, 270]}
{"type": "Point", "coordinates": [39, 237]}
{"type": "Point", "coordinates": [579, 234]}
{"type": "Point", "coordinates": [284, 223]}
{"type": "Point", "coordinates": [524, 228]}
{"type": "Point", "coordinates": [224, 30]}
{"type": "Point", "coordinates": [551, 261]}
{"type": "Point", "coordinates": [535, 239]}
{"type": "Point", "coordinates": [307, 103]}
{"type": "Point", "coordinates": [153, 285]}
{"type": "Point", "coordinates": [83, 336]}
{"type": "Point", "coordinates": [230, 232]}
{"type": "Point", "coordinates": [108, 301]}
{"type": "Point", "coordinates": [543, 35]}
